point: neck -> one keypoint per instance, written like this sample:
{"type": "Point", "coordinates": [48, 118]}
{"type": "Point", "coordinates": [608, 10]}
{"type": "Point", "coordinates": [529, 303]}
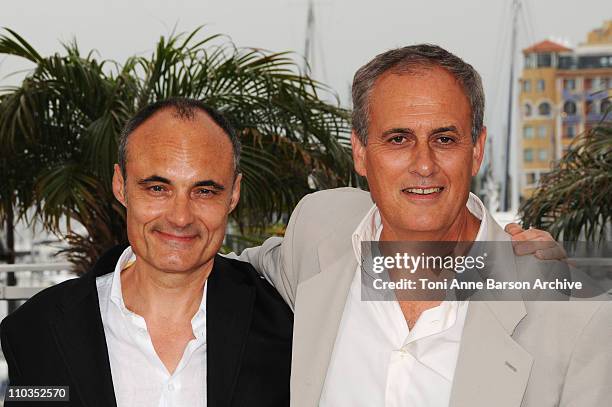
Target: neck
{"type": "Point", "coordinates": [463, 229]}
{"type": "Point", "coordinates": [171, 296]}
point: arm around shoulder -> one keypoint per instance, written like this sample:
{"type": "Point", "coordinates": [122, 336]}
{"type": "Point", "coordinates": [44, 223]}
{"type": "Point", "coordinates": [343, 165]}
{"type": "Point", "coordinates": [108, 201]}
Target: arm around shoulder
{"type": "Point", "coordinates": [274, 259]}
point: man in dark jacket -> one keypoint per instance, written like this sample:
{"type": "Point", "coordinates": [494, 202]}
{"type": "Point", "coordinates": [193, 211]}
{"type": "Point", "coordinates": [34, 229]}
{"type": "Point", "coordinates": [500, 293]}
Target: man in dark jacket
{"type": "Point", "coordinates": [164, 321]}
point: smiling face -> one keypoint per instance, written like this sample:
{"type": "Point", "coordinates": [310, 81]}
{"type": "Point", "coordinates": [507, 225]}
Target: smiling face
{"type": "Point", "coordinates": [419, 158]}
{"type": "Point", "coordinates": [179, 191]}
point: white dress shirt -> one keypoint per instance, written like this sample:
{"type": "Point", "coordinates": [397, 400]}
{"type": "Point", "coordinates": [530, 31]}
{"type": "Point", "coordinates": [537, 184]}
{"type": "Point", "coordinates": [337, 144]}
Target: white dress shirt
{"type": "Point", "coordinates": [377, 360]}
{"type": "Point", "coordinates": [139, 376]}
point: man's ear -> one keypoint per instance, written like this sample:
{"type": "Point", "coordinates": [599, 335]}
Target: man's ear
{"type": "Point", "coordinates": [235, 192]}
{"type": "Point", "coordinates": [358, 155]}
{"type": "Point", "coordinates": [119, 185]}
{"type": "Point", "coordinates": [478, 151]}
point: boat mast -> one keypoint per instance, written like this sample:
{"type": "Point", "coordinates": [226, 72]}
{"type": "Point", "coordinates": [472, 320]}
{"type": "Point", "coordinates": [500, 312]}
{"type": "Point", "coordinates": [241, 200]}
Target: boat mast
{"type": "Point", "coordinates": [308, 46]}
{"type": "Point", "coordinates": [516, 5]}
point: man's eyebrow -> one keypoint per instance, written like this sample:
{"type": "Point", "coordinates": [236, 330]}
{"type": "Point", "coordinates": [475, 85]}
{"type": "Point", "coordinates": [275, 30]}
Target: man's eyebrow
{"type": "Point", "coordinates": [398, 130]}
{"type": "Point", "coordinates": [446, 129]}
{"type": "Point", "coordinates": [204, 183]}
{"type": "Point", "coordinates": [209, 183]}
{"type": "Point", "coordinates": [154, 178]}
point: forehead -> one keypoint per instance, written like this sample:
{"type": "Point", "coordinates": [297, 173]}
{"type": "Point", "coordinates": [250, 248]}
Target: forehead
{"type": "Point", "coordinates": [167, 144]}
{"type": "Point", "coordinates": [425, 95]}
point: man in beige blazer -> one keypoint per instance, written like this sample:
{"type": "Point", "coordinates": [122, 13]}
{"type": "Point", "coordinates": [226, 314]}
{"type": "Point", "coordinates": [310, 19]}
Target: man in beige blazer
{"type": "Point", "coordinates": [419, 139]}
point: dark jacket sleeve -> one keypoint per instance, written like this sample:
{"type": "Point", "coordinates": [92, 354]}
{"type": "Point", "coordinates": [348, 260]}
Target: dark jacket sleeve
{"type": "Point", "coordinates": [11, 359]}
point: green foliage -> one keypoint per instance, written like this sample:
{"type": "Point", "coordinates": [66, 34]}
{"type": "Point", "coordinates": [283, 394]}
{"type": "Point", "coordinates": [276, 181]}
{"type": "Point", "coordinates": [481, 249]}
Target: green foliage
{"type": "Point", "coordinates": [59, 130]}
{"type": "Point", "coordinates": [576, 196]}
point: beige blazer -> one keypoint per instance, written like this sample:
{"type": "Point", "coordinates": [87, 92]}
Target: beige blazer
{"type": "Point", "coordinates": [512, 353]}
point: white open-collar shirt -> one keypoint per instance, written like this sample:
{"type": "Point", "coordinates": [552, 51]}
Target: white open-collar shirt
{"type": "Point", "coordinates": [377, 360]}
{"type": "Point", "coordinates": [139, 376]}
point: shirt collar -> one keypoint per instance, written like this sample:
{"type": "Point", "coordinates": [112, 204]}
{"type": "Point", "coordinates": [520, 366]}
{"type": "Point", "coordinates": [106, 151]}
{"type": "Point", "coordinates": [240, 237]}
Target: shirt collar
{"type": "Point", "coordinates": [127, 259]}
{"type": "Point", "coordinates": [370, 227]}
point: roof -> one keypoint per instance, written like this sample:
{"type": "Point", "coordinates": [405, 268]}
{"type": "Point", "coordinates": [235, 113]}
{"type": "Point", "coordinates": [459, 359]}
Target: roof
{"type": "Point", "coordinates": [546, 46]}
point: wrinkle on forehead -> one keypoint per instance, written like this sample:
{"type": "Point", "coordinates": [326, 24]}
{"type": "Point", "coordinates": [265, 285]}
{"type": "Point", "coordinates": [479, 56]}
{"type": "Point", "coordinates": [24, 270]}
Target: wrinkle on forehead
{"type": "Point", "coordinates": [420, 99]}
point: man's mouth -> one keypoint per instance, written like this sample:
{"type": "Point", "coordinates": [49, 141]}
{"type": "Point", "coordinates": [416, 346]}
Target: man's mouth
{"type": "Point", "coordinates": [181, 238]}
{"type": "Point", "coordinates": [423, 191]}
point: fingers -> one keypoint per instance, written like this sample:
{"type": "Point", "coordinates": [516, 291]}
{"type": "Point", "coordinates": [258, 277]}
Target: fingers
{"type": "Point", "coordinates": [513, 228]}
{"type": "Point", "coordinates": [537, 242]}
{"type": "Point", "coordinates": [532, 235]}
{"type": "Point", "coordinates": [553, 253]}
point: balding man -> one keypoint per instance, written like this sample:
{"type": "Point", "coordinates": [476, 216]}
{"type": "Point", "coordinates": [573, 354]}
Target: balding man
{"type": "Point", "coordinates": [166, 321]}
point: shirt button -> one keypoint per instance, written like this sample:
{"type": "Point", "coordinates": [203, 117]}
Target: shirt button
{"type": "Point", "coordinates": [171, 387]}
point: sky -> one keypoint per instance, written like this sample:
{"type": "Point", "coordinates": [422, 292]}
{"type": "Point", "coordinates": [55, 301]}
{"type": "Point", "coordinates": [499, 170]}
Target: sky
{"type": "Point", "coordinates": [347, 34]}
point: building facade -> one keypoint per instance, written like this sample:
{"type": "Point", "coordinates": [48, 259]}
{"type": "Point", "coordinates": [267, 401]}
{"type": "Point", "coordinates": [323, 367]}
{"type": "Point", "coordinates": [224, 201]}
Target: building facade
{"type": "Point", "coordinates": [563, 93]}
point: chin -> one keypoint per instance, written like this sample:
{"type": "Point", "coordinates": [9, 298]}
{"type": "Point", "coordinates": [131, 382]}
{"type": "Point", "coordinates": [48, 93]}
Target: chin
{"type": "Point", "coordinates": [423, 226]}
{"type": "Point", "coordinates": [175, 265]}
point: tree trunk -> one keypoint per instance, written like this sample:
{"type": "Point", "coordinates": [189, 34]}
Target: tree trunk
{"type": "Point", "coordinates": [11, 279]}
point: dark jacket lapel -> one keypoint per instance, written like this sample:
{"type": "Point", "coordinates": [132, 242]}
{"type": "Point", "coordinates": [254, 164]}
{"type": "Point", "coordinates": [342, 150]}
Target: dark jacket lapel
{"type": "Point", "coordinates": [80, 337]}
{"type": "Point", "coordinates": [229, 305]}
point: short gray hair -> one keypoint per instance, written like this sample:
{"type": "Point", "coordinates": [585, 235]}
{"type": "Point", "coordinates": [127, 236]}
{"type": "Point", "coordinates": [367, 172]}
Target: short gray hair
{"type": "Point", "coordinates": [408, 60]}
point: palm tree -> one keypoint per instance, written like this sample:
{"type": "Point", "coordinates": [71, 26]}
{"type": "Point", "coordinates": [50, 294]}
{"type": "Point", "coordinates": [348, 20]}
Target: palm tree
{"type": "Point", "coordinates": [62, 123]}
{"type": "Point", "coordinates": [575, 197]}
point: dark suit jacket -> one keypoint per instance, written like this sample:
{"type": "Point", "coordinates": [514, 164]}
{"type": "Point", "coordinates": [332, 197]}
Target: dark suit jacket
{"type": "Point", "coordinates": [57, 338]}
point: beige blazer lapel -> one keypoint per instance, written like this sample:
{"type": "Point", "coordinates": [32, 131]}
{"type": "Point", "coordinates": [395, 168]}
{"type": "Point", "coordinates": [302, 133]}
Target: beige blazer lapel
{"type": "Point", "coordinates": [492, 369]}
{"type": "Point", "coordinates": [319, 307]}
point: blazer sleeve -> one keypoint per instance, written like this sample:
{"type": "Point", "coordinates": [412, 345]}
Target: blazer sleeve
{"type": "Point", "coordinates": [275, 258]}
{"type": "Point", "coordinates": [9, 355]}
{"type": "Point", "coordinates": [589, 375]}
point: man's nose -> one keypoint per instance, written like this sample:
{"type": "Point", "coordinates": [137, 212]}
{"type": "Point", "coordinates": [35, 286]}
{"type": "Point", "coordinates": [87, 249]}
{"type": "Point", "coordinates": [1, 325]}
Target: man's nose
{"type": "Point", "coordinates": [423, 161]}
{"type": "Point", "coordinates": [180, 214]}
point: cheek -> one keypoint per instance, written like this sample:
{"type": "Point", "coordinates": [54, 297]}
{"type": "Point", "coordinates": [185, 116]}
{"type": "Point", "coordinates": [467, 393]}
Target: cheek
{"type": "Point", "coordinates": [142, 213]}
{"type": "Point", "coordinates": [213, 216]}
{"type": "Point", "coordinates": [384, 167]}
{"type": "Point", "coordinates": [457, 166]}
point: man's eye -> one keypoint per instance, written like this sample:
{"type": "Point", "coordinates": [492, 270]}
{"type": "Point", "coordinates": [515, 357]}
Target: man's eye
{"type": "Point", "coordinates": [445, 140]}
{"type": "Point", "coordinates": [204, 192]}
{"type": "Point", "coordinates": [157, 188]}
{"type": "Point", "coordinates": [397, 139]}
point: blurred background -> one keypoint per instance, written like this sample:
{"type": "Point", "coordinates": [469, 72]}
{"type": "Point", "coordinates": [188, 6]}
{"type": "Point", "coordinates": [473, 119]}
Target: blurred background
{"type": "Point", "coordinates": [72, 72]}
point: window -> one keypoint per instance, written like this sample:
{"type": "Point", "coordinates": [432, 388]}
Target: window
{"type": "Point", "coordinates": [594, 61]}
{"type": "Point", "coordinates": [527, 110]}
{"type": "Point", "coordinates": [600, 83]}
{"type": "Point", "coordinates": [544, 109]}
{"type": "Point", "coordinates": [528, 132]}
{"type": "Point", "coordinates": [544, 60]}
{"type": "Point", "coordinates": [569, 84]}
{"type": "Point", "coordinates": [605, 106]}
{"type": "Point", "coordinates": [542, 154]}
{"type": "Point", "coordinates": [569, 108]}
{"type": "Point", "coordinates": [528, 155]}
{"type": "Point", "coordinates": [530, 178]}
{"type": "Point", "coordinates": [542, 132]}
{"type": "Point", "coordinates": [541, 85]}
{"type": "Point", "coordinates": [569, 131]}
{"type": "Point", "coordinates": [526, 85]}
{"type": "Point", "coordinates": [590, 107]}
{"type": "Point", "coordinates": [530, 61]}
{"type": "Point", "coordinates": [566, 62]}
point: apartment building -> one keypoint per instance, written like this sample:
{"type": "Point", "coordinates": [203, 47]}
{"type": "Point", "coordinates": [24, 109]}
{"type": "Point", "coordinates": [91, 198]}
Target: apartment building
{"type": "Point", "coordinates": [563, 92]}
